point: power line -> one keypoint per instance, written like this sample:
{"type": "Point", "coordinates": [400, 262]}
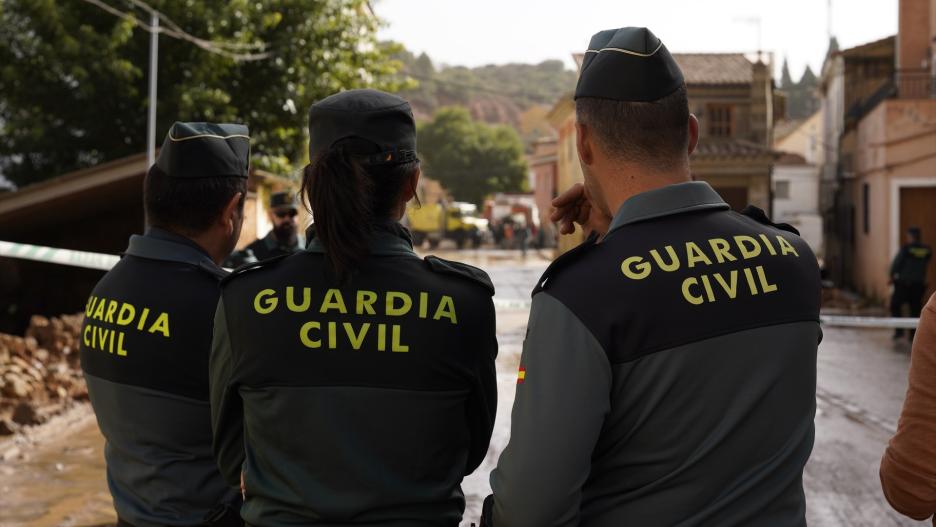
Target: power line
{"type": "Point", "coordinates": [175, 32]}
{"type": "Point", "coordinates": [192, 38]}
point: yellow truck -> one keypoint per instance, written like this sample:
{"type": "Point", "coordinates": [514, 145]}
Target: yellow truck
{"type": "Point", "coordinates": [456, 221]}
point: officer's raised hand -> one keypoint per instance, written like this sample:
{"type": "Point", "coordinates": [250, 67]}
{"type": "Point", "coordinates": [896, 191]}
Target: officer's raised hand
{"type": "Point", "coordinates": [574, 206]}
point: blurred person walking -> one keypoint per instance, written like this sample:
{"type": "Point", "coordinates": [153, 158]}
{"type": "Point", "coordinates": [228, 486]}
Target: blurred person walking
{"type": "Point", "coordinates": [908, 276]}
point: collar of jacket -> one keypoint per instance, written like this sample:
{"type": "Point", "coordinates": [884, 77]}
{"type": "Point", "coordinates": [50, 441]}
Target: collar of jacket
{"type": "Point", "coordinates": [160, 244]}
{"type": "Point", "coordinates": [272, 243]}
{"type": "Point", "coordinates": [388, 239]}
{"type": "Point", "coordinates": [666, 201]}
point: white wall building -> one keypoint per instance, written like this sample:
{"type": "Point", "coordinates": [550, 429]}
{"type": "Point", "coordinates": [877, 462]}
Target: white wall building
{"type": "Point", "coordinates": [796, 198]}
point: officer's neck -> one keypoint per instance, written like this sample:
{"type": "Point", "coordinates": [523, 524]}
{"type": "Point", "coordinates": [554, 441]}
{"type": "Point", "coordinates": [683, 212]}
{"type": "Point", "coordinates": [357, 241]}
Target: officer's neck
{"type": "Point", "coordinates": [211, 242]}
{"type": "Point", "coordinates": [623, 181]}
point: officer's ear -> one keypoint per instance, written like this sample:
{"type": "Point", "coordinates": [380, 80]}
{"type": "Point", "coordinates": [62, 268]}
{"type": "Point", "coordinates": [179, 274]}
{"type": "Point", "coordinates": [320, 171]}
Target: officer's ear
{"type": "Point", "coordinates": [410, 186]}
{"type": "Point", "coordinates": [232, 215]}
{"type": "Point", "coordinates": [693, 133]}
{"type": "Point", "coordinates": [583, 141]}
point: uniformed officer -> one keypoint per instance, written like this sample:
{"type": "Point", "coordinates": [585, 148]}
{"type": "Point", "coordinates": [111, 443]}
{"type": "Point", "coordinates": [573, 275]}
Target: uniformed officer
{"type": "Point", "coordinates": [147, 334]}
{"type": "Point", "coordinates": [908, 275]}
{"type": "Point", "coordinates": [358, 377]}
{"type": "Point", "coordinates": [284, 238]}
{"type": "Point", "coordinates": [668, 373]}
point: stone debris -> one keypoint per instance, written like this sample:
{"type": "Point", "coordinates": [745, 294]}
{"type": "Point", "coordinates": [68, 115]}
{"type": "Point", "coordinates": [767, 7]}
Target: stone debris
{"type": "Point", "coordinates": [40, 374]}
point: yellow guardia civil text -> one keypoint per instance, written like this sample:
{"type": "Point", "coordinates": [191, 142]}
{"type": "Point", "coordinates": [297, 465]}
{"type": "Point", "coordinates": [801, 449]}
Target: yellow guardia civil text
{"type": "Point", "coordinates": [361, 304]}
{"type": "Point", "coordinates": [119, 317]}
{"type": "Point", "coordinates": [714, 284]}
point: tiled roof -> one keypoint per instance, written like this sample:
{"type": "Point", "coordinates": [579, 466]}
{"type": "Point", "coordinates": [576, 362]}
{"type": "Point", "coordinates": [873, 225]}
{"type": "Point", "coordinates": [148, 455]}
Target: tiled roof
{"type": "Point", "coordinates": [706, 68]}
{"type": "Point", "coordinates": [782, 129]}
{"type": "Point", "coordinates": [715, 68]}
{"type": "Point", "coordinates": [710, 148]}
{"type": "Point", "coordinates": [789, 158]}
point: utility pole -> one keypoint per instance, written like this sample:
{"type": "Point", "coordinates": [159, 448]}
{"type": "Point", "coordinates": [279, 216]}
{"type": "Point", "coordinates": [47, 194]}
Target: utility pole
{"type": "Point", "coordinates": [758, 23]}
{"type": "Point", "coordinates": [154, 60]}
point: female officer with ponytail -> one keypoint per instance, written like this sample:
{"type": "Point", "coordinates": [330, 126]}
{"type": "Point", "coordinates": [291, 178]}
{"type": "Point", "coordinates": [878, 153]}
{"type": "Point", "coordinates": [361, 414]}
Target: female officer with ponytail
{"type": "Point", "coordinates": [354, 382]}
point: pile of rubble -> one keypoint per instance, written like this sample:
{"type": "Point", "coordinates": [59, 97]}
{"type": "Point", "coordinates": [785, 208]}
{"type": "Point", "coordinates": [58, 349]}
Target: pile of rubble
{"type": "Point", "coordinates": [40, 373]}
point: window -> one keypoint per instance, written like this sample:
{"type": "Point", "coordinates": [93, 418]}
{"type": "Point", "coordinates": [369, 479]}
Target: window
{"type": "Point", "coordinates": [782, 190]}
{"type": "Point", "coordinates": [866, 217]}
{"type": "Point", "coordinates": [720, 119]}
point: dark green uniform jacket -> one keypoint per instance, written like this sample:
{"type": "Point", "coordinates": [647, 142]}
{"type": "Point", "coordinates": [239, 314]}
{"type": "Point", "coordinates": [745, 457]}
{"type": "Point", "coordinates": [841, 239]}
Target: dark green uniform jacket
{"type": "Point", "coordinates": [360, 404]}
{"type": "Point", "coordinates": [668, 374]}
{"type": "Point", "coordinates": [910, 264]}
{"type": "Point", "coordinates": [144, 351]}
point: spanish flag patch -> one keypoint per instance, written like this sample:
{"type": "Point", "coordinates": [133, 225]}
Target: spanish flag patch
{"type": "Point", "coordinates": [521, 375]}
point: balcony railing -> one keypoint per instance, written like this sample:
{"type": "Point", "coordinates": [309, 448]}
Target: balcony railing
{"type": "Point", "coordinates": [915, 84]}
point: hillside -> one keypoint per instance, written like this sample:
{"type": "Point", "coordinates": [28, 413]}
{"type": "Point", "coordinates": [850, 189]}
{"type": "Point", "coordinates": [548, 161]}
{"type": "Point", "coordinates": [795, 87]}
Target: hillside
{"type": "Point", "coordinates": [498, 94]}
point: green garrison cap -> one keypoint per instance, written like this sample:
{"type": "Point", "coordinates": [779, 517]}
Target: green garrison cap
{"type": "Point", "coordinates": [205, 150]}
{"type": "Point", "coordinates": [381, 125]}
{"type": "Point", "coordinates": [628, 64]}
{"type": "Point", "coordinates": [283, 200]}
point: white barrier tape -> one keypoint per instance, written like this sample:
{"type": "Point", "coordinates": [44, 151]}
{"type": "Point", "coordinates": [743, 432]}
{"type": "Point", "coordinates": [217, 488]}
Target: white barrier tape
{"type": "Point", "coordinates": [38, 253]}
{"type": "Point", "coordinates": [104, 262]}
{"type": "Point", "coordinates": [511, 303]}
{"type": "Point", "coordinates": [869, 322]}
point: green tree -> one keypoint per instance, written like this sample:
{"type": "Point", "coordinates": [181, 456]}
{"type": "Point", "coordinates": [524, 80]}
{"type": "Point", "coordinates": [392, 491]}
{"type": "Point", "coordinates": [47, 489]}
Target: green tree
{"type": "Point", "coordinates": [73, 77]}
{"type": "Point", "coordinates": [469, 158]}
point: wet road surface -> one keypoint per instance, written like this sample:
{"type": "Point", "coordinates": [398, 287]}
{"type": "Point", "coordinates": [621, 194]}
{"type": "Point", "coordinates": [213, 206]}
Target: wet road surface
{"type": "Point", "coordinates": [57, 477]}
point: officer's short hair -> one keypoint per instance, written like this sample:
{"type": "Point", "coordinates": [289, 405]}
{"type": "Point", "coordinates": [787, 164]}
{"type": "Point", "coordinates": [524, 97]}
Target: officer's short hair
{"type": "Point", "coordinates": [188, 204]}
{"type": "Point", "coordinates": [652, 133]}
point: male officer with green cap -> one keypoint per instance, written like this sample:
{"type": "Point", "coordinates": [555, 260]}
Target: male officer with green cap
{"type": "Point", "coordinates": [283, 238]}
{"type": "Point", "coordinates": [668, 372]}
{"type": "Point", "coordinates": [147, 334]}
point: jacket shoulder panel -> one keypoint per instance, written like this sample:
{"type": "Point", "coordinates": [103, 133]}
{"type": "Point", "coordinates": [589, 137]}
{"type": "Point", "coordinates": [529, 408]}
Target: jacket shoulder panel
{"type": "Point", "coordinates": [760, 216]}
{"type": "Point", "coordinates": [563, 262]}
{"type": "Point", "coordinates": [251, 267]}
{"type": "Point", "coordinates": [461, 270]}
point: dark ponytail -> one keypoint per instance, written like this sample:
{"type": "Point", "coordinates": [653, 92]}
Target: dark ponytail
{"type": "Point", "coordinates": [347, 200]}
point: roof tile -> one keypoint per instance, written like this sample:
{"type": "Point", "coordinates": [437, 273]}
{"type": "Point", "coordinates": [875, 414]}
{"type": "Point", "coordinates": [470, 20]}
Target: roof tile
{"type": "Point", "coordinates": [715, 68]}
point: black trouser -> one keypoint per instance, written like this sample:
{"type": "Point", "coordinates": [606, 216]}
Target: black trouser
{"type": "Point", "coordinates": [907, 293]}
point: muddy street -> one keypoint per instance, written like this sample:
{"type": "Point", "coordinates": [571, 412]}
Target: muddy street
{"type": "Point", "coordinates": [54, 474]}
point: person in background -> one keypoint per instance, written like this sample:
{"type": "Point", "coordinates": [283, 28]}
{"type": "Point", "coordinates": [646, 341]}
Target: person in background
{"type": "Point", "coordinates": [147, 334]}
{"type": "Point", "coordinates": [908, 468]}
{"type": "Point", "coordinates": [908, 276]}
{"type": "Point", "coordinates": [283, 238]}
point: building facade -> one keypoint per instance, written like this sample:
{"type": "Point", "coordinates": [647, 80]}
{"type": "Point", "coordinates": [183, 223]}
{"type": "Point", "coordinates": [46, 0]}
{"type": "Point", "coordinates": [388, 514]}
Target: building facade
{"type": "Point", "coordinates": [887, 154]}
{"type": "Point", "coordinates": [543, 162]}
{"type": "Point", "coordinates": [853, 81]}
{"type": "Point", "coordinates": [796, 198]}
{"type": "Point", "coordinates": [796, 180]}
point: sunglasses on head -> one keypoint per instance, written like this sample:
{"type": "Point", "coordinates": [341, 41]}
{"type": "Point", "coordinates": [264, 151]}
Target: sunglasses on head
{"type": "Point", "coordinates": [283, 213]}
